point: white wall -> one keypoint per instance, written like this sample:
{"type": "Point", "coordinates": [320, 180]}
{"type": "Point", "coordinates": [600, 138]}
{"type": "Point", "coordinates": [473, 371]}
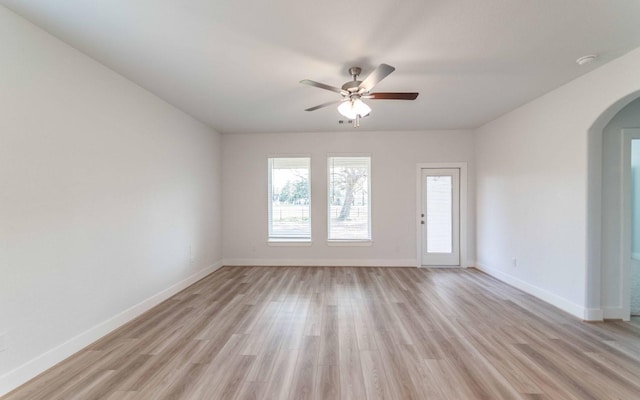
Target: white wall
{"type": "Point", "coordinates": [538, 193]}
{"type": "Point", "coordinates": [628, 117]}
{"type": "Point", "coordinates": [394, 156]}
{"type": "Point", "coordinates": [103, 188]}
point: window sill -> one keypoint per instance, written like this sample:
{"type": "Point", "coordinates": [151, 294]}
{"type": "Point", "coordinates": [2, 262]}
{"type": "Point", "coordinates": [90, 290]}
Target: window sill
{"type": "Point", "coordinates": [350, 243]}
{"type": "Point", "coordinates": [289, 242]}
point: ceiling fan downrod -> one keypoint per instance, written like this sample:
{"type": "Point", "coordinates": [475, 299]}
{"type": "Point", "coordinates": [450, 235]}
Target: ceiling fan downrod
{"type": "Point", "coordinates": [354, 72]}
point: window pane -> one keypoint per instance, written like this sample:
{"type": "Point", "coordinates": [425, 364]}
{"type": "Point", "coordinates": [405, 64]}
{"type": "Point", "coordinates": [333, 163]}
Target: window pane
{"type": "Point", "coordinates": [439, 214]}
{"type": "Point", "coordinates": [289, 198]}
{"type": "Point", "coordinates": [349, 198]}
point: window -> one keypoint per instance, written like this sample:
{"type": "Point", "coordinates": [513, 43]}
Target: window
{"type": "Point", "coordinates": [289, 199]}
{"type": "Point", "coordinates": [349, 198]}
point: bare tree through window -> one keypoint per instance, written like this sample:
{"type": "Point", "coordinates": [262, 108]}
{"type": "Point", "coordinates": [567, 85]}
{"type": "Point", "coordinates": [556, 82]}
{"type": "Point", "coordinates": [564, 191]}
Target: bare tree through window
{"type": "Point", "coordinates": [349, 200]}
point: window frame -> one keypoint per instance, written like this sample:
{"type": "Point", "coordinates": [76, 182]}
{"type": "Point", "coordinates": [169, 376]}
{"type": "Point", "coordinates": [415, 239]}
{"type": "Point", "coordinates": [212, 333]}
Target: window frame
{"type": "Point", "coordinates": [286, 240]}
{"type": "Point", "coordinates": [350, 242]}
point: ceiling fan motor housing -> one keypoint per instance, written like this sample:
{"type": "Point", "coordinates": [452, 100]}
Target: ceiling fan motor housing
{"type": "Point", "coordinates": [353, 85]}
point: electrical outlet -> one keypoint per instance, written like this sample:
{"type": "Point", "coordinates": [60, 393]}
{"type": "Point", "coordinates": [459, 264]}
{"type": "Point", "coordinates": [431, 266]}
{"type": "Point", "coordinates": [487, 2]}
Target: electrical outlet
{"type": "Point", "coordinates": [3, 341]}
{"type": "Point", "coordinates": [514, 262]}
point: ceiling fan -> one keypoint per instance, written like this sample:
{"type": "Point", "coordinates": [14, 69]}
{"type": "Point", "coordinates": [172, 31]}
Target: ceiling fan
{"type": "Point", "coordinates": [352, 92]}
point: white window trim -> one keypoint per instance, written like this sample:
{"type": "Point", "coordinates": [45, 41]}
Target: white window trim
{"type": "Point", "coordinates": [287, 241]}
{"type": "Point", "coordinates": [350, 242]}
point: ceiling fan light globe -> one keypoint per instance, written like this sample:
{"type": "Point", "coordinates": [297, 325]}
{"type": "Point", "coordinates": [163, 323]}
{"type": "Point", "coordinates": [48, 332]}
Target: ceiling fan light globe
{"type": "Point", "coordinates": [351, 109]}
{"type": "Point", "coordinates": [346, 109]}
{"type": "Point", "coordinates": [361, 108]}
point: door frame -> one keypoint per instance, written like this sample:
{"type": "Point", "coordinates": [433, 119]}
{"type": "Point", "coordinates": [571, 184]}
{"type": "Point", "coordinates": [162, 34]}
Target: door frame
{"type": "Point", "coordinates": [628, 135]}
{"type": "Point", "coordinates": [462, 166]}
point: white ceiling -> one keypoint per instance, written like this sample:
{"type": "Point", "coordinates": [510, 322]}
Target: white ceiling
{"type": "Point", "coordinates": [235, 65]}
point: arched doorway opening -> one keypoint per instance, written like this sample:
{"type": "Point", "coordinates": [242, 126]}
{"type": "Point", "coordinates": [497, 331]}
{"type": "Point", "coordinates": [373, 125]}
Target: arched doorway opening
{"type": "Point", "coordinates": [609, 239]}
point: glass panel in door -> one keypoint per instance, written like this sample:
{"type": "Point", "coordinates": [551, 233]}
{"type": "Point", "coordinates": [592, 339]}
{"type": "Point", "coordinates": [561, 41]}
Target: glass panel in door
{"type": "Point", "coordinates": [440, 217]}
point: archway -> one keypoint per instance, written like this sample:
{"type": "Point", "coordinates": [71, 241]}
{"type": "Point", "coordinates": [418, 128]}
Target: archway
{"type": "Point", "coordinates": [598, 306]}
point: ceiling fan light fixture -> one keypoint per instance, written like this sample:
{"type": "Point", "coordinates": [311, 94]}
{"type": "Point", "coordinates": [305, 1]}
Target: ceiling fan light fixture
{"type": "Point", "coordinates": [351, 105]}
{"type": "Point", "coordinates": [353, 108]}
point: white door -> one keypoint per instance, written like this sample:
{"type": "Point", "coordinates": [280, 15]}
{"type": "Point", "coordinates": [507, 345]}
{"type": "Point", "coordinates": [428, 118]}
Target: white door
{"type": "Point", "coordinates": [440, 217]}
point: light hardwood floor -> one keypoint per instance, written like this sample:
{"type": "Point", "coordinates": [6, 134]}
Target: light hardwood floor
{"type": "Point", "coordinates": [351, 333]}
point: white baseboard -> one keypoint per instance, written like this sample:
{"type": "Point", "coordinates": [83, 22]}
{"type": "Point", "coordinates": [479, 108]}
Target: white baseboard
{"type": "Point", "coordinates": [542, 294]}
{"type": "Point", "coordinates": [313, 262]}
{"type": "Point", "coordinates": [614, 313]}
{"type": "Point", "coordinates": [34, 367]}
{"type": "Point", "coordinates": [594, 314]}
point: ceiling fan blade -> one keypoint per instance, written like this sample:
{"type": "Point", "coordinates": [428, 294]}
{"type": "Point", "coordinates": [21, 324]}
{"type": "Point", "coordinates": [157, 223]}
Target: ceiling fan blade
{"type": "Point", "coordinates": [327, 104]}
{"type": "Point", "coordinates": [376, 76]}
{"type": "Point", "coordinates": [321, 86]}
{"type": "Point", "coordinates": [391, 96]}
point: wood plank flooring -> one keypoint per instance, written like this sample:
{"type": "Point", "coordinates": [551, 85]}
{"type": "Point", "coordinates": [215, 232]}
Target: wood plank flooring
{"type": "Point", "coordinates": [351, 333]}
